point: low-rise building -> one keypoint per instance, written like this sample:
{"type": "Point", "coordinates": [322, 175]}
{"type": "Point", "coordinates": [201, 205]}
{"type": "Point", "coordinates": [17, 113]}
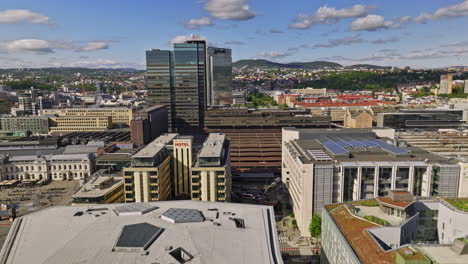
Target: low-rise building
{"type": "Point", "coordinates": [103, 189]}
{"type": "Point", "coordinates": [119, 115]}
{"type": "Point", "coordinates": [22, 125]}
{"type": "Point", "coordinates": [394, 229]}
{"type": "Point", "coordinates": [211, 174]}
{"type": "Point", "coordinates": [193, 232]}
{"type": "Point", "coordinates": [80, 123]}
{"type": "Point", "coordinates": [358, 119]}
{"type": "Point", "coordinates": [323, 166]}
{"type": "Point", "coordinates": [50, 167]}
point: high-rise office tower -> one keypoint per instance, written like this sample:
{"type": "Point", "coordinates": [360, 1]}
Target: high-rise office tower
{"type": "Point", "coordinates": [177, 79]}
{"type": "Point", "coordinates": [219, 76]}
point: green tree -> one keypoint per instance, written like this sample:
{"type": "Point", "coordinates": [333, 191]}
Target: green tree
{"type": "Point", "coordinates": [315, 227]}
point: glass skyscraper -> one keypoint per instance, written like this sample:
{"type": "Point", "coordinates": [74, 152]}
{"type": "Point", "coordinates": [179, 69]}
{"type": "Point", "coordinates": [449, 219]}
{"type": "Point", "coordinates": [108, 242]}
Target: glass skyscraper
{"type": "Point", "coordinates": [219, 76]}
{"type": "Point", "coordinates": [177, 79]}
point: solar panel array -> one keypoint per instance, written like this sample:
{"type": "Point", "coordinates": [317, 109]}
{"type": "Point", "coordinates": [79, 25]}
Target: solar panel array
{"type": "Point", "coordinates": [339, 145]}
{"type": "Point", "coordinates": [319, 155]}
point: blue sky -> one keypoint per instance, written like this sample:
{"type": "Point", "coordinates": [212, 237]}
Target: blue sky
{"type": "Point", "coordinates": [115, 33]}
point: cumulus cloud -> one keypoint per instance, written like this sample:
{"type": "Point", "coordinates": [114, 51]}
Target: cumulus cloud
{"type": "Point", "coordinates": [37, 46]}
{"type": "Point", "coordinates": [330, 15]}
{"type": "Point", "coordinates": [385, 40]}
{"type": "Point", "coordinates": [453, 11]}
{"type": "Point", "coordinates": [371, 23]}
{"type": "Point", "coordinates": [195, 23]}
{"type": "Point", "coordinates": [94, 45]}
{"type": "Point", "coordinates": [273, 54]}
{"type": "Point", "coordinates": [234, 42]}
{"type": "Point", "coordinates": [340, 42]}
{"type": "Point", "coordinates": [184, 38]}
{"type": "Point", "coordinates": [229, 9]}
{"type": "Point", "coordinates": [13, 16]}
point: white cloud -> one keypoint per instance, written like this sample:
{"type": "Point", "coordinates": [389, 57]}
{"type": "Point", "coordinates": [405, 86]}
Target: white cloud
{"type": "Point", "coordinates": [329, 15]}
{"type": "Point", "coordinates": [195, 23]}
{"type": "Point", "coordinates": [94, 45]}
{"type": "Point", "coordinates": [99, 63]}
{"type": "Point", "coordinates": [276, 31]}
{"type": "Point", "coordinates": [229, 9]}
{"type": "Point", "coordinates": [371, 23]}
{"type": "Point", "coordinates": [13, 16]}
{"type": "Point", "coordinates": [27, 45]}
{"type": "Point", "coordinates": [273, 54]}
{"type": "Point", "coordinates": [183, 38]}
{"type": "Point", "coordinates": [340, 42]}
{"type": "Point", "coordinates": [453, 11]}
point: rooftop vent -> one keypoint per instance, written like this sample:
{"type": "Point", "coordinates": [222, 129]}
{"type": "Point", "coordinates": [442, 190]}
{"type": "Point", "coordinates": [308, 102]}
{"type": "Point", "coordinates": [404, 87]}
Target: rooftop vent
{"type": "Point", "coordinates": [239, 222]}
{"type": "Point", "coordinates": [180, 215]}
{"type": "Point", "coordinates": [137, 237]}
{"type": "Point", "coordinates": [134, 209]}
{"type": "Point", "coordinates": [181, 255]}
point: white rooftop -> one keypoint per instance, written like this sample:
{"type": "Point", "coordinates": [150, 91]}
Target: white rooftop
{"type": "Point", "coordinates": [212, 146]}
{"type": "Point", "coordinates": [155, 146]}
{"type": "Point", "coordinates": [76, 234]}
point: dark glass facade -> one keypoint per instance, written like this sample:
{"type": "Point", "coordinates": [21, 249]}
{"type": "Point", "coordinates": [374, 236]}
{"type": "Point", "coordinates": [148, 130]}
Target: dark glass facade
{"type": "Point", "coordinates": [177, 79]}
{"type": "Point", "coordinates": [427, 119]}
{"type": "Point", "coordinates": [219, 76]}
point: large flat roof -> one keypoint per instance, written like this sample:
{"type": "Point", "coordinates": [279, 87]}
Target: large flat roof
{"type": "Point", "coordinates": [155, 146]}
{"type": "Point", "coordinates": [64, 235]}
{"type": "Point", "coordinates": [213, 146]}
{"type": "Point", "coordinates": [89, 191]}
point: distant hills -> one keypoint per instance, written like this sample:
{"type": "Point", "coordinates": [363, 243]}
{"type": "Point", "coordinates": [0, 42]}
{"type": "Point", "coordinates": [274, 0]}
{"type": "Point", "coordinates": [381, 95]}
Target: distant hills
{"type": "Point", "coordinates": [246, 64]}
{"type": "Point", "coordinates": [291, 65]}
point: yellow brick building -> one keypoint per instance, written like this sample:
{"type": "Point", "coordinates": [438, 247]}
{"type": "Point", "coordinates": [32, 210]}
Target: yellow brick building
{"type": "Point", "coordinates": [79, 123]}
{"type": "Point", "coordinates": [119, 115]}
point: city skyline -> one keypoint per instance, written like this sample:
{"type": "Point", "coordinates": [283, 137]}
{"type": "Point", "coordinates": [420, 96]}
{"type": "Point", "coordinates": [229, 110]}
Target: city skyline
{"type": "Point", "coordinates": [115, 34]}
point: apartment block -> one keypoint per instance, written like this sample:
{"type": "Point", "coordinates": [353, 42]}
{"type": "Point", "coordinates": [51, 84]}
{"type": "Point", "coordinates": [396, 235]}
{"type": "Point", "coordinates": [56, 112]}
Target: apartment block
{"type": "Point", "coordinates": [79, 123]}
{"type": "Point", "coordinates": [358, 119]}
{"type": "Point", "coordinates": [119, 115]}
{"type": "Point", "coordinates": [211, 174]}
{"type": "Point", "coordinates": [323, 166]}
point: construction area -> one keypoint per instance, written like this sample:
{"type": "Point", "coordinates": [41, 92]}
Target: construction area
{"type": "Point", "coordinates": [33, 198]}
{"type": "Point", "coordinates": [444, 143]}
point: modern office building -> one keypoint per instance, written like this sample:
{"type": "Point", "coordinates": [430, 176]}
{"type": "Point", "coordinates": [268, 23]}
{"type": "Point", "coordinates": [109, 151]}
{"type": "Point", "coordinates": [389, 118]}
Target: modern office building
{"type": "Point", "coordinates": [211, 174]}
{"type": "Point", "coordinates": [394, 229]}
{"type": "Point", "coordinates": [149, 176]}
{"type": "Point", "coordinates": [323, 166]}
{"type": "Point", "coordinates": [15, 125]}
{"type": "Point", "coordinates": [446, 83]}
{"type": "Point", "coordinates": [63, 124]}
{"type": "Point", "coordinates": [427, 119]}
{"type": "Point", "coordinates": [50, 167]}
{"type": "Point", "coordinates": [148, 124]}
{"type": "Point", "coordinates": [103, 189]}
{"type": "Point", "coordinates": [219, 76]}
{"type": "Point", "coordinates": [178, 79]}
{"type": "Point", "coordinates": [176, 232]}
{"type": "Point", "coordinates": [25, 105]}
{"type": "Point", "coordinates": [119, 115]}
